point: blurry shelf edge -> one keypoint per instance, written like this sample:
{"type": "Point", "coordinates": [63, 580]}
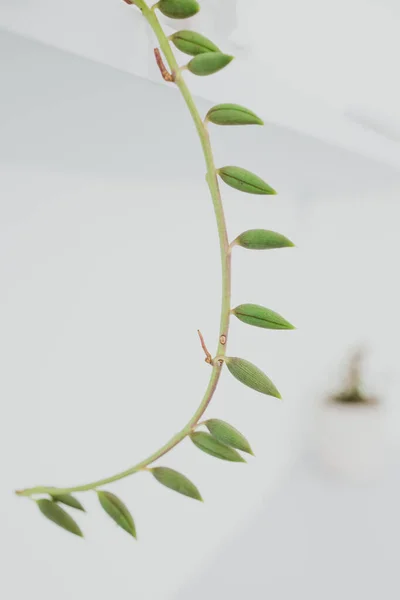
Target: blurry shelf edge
{"type": "Point", "coordinates": [279, 104]}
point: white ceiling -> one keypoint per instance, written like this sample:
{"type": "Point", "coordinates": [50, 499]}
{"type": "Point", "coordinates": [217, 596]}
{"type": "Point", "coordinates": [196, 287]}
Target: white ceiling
{"type": "Point", "coordinates": [327, 69]}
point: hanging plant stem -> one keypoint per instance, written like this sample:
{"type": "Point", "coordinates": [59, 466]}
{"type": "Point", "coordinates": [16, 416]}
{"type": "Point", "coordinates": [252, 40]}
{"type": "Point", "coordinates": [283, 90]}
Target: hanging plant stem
{"type": "Point", "coordinates": [222, 440]}
{"type": "Point", "coordinates": [213, 185]}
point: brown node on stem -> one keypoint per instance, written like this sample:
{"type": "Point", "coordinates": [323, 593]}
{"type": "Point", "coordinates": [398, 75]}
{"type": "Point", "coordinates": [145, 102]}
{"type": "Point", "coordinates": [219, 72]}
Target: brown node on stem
{"type": "Point", "coordinates": [163, 70]}
{"type": "Point", "coordinates": [222, 339]}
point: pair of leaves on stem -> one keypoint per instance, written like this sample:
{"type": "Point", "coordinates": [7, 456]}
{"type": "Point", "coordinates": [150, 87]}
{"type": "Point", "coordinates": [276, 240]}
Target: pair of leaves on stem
{"type": "Point", "coordinates": [52, 510]}
{"type": "Point", "coordinates": [208, 58]}
{"type": "Point", "coordinates": [222, 441]}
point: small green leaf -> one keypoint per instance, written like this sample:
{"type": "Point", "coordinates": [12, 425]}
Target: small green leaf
{"type": "Point", "coordinates": [193, 43]}
{"type": "Point", "coordinates": [225, 433]}
{"type": "Point", "coordinates": [176, 481]}
{"type": "Point", "coordinates": [256, 315]}
{"type": "Point", "coordinates": [252, 376]}
{"type": "Point", "coordinates": [208, 63]}
{"type": "Point", "coordinates": [244, 181]}
{"type": "Point", "coordinates": [210, 445]}
{"type": "Point", "coordinates": [178, 9]}
{"type": "Point", "coordinates": [117, 510]}
{"type": "Point", "coordinates": [68, 500]}
{"type": "Point", "coordinates": [232, 114]}
{"type": "Point", "coordinates": [262, 239]}
{"type": "Point", "coordinates": [58, 515]}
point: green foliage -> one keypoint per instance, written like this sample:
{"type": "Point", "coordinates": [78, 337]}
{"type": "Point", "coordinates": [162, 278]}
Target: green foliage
{"type": "Point", "coordinates": [252, 376]}
{"type": "Point", "coordinates": [208, 444]}
{"type": "Point", "coordinates": [256, 315]}
{"type": "Point", "coordinates": [176, 481]}
{"type": "Point", "coordinates": [244, 181]}
{"type": "Point", "coordinates": [68, 500]}
{"type": "Point", "coordinates": [222, 440]}
{"type": "Point", "coordinates": [178, 9]}
{"type": "Point", "coordinates": [58, 515]}
{"type": "Point", "coordinates": [232, 114]}
{"type": "Point", "coordinates": [117, 510]}
{"type": "Point", "coordinates": [262, 239]}
{"type": "Point", "coordinates": [193, 43]}
{"type": "Point", "coordinates": [225, 433]}
{"type": "Point", "coordinates": [209, 63]}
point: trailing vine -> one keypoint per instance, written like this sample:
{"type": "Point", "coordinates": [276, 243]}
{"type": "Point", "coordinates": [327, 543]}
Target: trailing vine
{"type": "Point", "coordinates": [213, 436]}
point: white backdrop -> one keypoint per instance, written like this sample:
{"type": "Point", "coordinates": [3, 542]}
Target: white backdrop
{"type": "Point", "coordinates": [108, 267]}
{"type": "Point", "coordinates": [288, 58]}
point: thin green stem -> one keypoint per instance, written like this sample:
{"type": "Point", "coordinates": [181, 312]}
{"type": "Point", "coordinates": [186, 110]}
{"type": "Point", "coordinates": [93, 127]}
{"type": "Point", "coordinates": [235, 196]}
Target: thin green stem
{"type": "Point", "coordinates": [212, 181]}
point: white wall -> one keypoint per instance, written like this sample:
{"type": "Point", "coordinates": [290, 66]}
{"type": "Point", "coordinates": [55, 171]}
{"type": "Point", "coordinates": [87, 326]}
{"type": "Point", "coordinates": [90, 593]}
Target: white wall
{"type": "Point", "coordinates": [288, 58]}
{"type": "Point", "coordinates": [110, 264]}
{"type": "Point", "coordinates": [317, 537]}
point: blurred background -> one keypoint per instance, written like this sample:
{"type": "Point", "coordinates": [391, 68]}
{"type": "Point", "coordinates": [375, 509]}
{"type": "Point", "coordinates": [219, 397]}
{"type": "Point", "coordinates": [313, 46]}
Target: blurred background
{"type": "Point", "coordinates": [109, 264]}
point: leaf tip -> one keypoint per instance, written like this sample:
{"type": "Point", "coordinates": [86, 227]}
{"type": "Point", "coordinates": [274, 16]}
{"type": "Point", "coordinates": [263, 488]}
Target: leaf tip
{"type": "Point", "coordinates": [249, 450]}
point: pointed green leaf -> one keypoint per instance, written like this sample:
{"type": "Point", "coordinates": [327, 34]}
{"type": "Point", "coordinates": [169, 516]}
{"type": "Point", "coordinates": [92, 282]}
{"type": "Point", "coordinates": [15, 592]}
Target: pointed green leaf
{"type": "Point", "coordinates": [262, 239]}
{"type": "Point", "coordinates": [256, 315]}
{"type": "Point", "coordinates": [117, 510]}
{"type": "Point", "coordinates": [208, 63]}
{"type": "Point", "coordinates": [210, 445]}
{"type": "Point", "coordinates": [178, 9]}
{"type": "Point", "coordinates": [225, 433]}
{"type": "Point", "coordinates": [68, 500]}
{"type": "Point", "coordinates": [244, 181]}
{"type": "Point", "coordinates": [193, 43]}
{"type": "Point", "coordinates": [176, 481]}
{"type": "Point", "coordinates": [252, 376]}
{"type": "Point", "coordinates": [232, 114]}
{"type": "Point", "coordinates": [58, 515]}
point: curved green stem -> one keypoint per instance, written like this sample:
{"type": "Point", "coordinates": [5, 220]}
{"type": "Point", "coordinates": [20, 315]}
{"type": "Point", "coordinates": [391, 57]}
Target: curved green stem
{"type": "Point", "coordinates": [212, 182]}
